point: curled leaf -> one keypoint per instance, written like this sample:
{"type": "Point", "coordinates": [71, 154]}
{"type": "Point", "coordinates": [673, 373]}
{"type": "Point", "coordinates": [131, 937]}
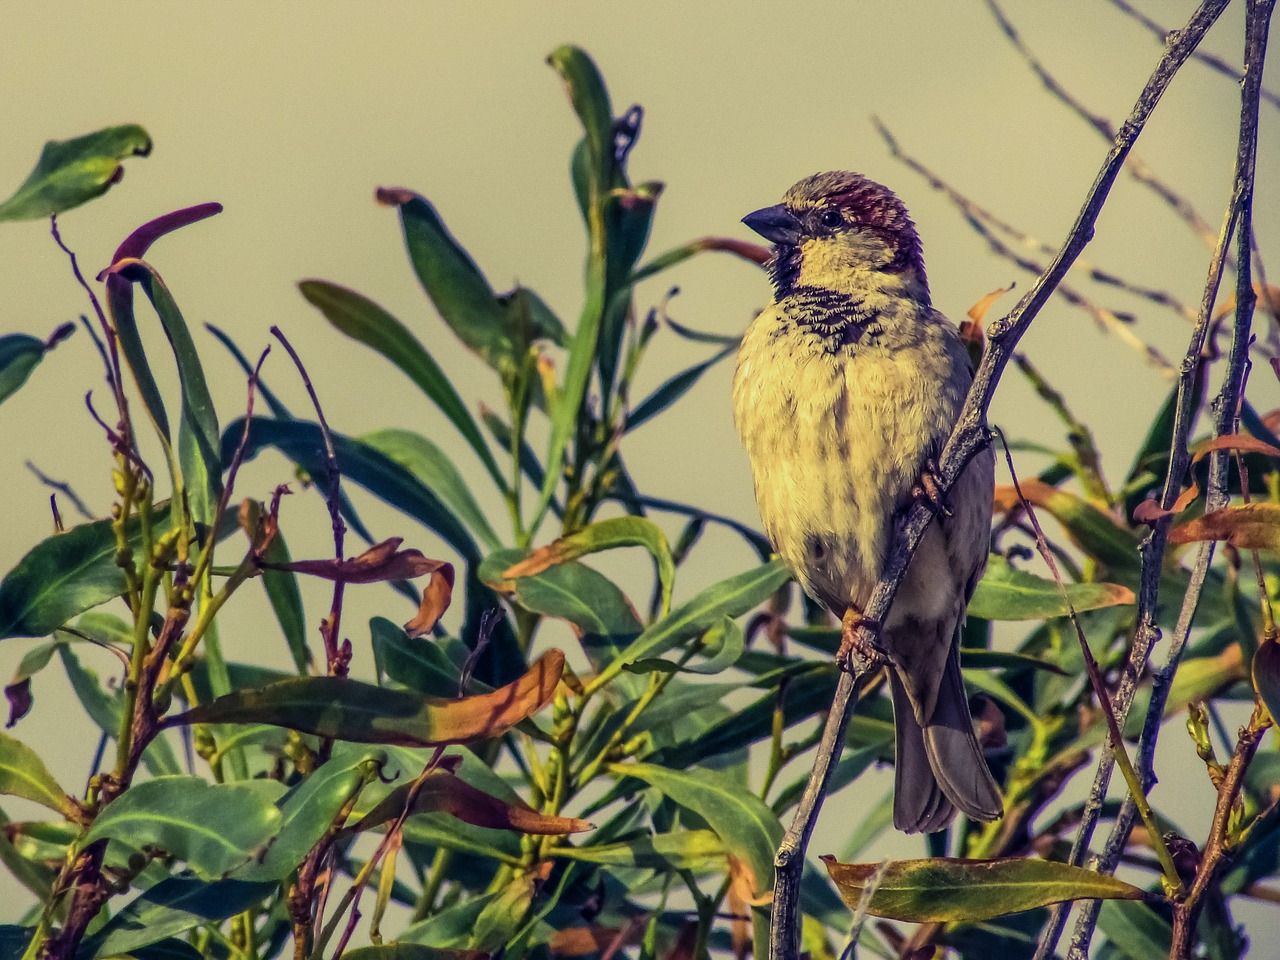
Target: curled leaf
{"type": "Point", "coordinates": [72, 172]}
{"type": "Point", "coordinates": [944, 889]}
{"type": "Point", "coordinates": [383, 561]}
{"type": "Point", "coordinates": [978, 312]}
{"type": "Point", "coordinates": [1149, 511]}
{"type": "Point", "coordinates": [347, 709]}
{"type": "Point", "coordinates": [441, 791]}
{"type": "Point", "coordinates": [435, 601]}
{"type": "Point", "coordinates": [1250, 526]}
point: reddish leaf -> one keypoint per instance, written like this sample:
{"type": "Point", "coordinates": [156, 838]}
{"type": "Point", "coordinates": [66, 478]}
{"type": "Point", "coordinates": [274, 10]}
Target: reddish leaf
{"type": "Point", "coordinates": [435, 601]}
{"type": "Point", "coordinates": [384, 561]}
{"type": "Point", "coordinates": [1150, 511]}
{"type": "Point", "coordinates": [1250, 526]}
{"type": "Point", "coordinates": [978, 312]}
{"type": "Point", "coordinates": [442, 792]}
{"type": "Point", "coordinates": [135, 245]}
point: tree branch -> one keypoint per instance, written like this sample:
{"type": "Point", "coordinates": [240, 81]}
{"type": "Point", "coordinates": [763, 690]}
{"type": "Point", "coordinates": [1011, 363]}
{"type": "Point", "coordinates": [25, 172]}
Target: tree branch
{"type": "Point", "coordinates": [969, 436]}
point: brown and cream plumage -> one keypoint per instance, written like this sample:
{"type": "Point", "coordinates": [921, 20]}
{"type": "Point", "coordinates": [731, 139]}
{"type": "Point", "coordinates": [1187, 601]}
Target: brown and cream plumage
{"type": "Point", "coordinates": [846, 388]}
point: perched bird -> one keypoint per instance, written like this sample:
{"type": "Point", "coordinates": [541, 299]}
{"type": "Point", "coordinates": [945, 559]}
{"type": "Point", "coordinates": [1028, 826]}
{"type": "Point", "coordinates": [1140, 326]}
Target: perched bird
{"type": "Point", "coordinates": [847, 387]}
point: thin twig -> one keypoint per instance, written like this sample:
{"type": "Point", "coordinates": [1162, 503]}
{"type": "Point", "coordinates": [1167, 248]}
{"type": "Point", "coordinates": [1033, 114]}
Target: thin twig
{"type": "Point", "coordinates": [62, 488]}
{"type": "Point", "coordinates": [337, 657]}
{"type": "Point", "coordinates": [1154, 545]}
{"type": "Point", "coordinates": [969, 436]}
{"type": "Point", "coordinates": [1208, 59]}
{"type": "Point", "coordinates": [986, 224]}
{"type": "Point", "coordinates": [1105, 129]}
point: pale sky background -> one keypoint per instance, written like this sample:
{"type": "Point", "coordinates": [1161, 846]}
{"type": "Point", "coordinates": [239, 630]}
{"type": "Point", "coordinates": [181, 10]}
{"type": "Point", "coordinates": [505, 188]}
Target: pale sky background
{"type": "Point", "coordinates": [290, 116]}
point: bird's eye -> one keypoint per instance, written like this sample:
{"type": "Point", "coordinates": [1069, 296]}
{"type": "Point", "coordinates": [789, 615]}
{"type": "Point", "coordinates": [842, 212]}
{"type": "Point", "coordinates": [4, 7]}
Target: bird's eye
{"type": "Point", "coordinates": [830, 218]}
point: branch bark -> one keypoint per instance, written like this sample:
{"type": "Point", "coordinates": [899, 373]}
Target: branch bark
{"type": "Point", "coordinates": [969, 436]}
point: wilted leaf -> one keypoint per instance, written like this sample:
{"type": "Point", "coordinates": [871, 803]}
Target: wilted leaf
{"type": "Point", "coordinates": [1089, 528]}
{"type": "Point", "coordinates": [751, 252]}
{"type": "Point", "coordinates": [23, 774]}
{"type": "Point", "coordinates": [944, 889]}
{"type": "Point", "coordinates": [1006, 593]}
{"type": "Point", "coordinates": [978, 312]}
{"type": "Point", "coordinates": [441, 791]}
{"type": "Point", "coordinates": [1148, 511]}
{"type": "Point", "coordinates": [383, 561]}
{"type": "Point", "coordinates": [604, 535]}
{"type": "Point", "coordinates": [435, 601]}
{"type": "Point", "coordinates": [72, 172]}
{"type": "Point", "coordinates": [215, 827]}
{"type": "Point", "coordinates": [350, 710]}
{"type": "Point", "coordinates": [1250, 526]}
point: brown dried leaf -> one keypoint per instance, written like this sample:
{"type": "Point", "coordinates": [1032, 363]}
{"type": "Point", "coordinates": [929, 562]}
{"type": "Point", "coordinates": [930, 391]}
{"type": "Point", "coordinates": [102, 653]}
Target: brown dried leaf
{"type": "Point", "coordinates": [1251, 526]}
{"type": "Point", "coordinates": [978, 312]}
{"type": "Point", "coordinates": [1150, 511]}
{"type": "Point", "coordinates": [383, 561]}
{"type": "Point", "coordinates": [442, 792]}
{"type": "Point", "coordinates": [435, 601]}
{"type": "Point", "coordinates": [1268, 299]}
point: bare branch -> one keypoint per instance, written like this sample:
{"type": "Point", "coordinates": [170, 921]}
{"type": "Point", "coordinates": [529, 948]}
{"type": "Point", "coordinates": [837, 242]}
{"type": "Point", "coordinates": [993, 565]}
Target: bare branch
{"type": "Point", "coordinates": [970, 435]}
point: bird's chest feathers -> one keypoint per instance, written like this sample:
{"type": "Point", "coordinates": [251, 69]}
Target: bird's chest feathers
{"type": "Point", "coordinates": [836, 438]}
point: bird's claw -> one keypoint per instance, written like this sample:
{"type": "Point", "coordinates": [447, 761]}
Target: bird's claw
{"type": "Point", "coordinates": [854, 650]}
{"type": "Point", "coordinates": [928, 490]}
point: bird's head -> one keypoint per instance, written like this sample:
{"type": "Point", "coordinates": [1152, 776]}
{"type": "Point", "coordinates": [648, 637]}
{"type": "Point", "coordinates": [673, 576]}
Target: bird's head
{"type": "Point", "coordinates": [842, 232]}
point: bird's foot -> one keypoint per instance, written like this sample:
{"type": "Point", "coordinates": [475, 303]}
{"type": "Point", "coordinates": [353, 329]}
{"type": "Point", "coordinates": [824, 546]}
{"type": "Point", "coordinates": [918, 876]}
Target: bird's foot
{"type": "Point", "coordinates": [854, 650]}
{"type": "Point", "coordinates": [928, 490]}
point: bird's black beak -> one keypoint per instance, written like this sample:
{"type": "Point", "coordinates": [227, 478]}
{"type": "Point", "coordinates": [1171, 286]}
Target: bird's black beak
{"type": "Point", "coordinates": [776, 224]}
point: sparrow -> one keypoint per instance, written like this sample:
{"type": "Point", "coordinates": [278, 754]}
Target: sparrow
{"type": "Point", "coordinates": [846, 389]}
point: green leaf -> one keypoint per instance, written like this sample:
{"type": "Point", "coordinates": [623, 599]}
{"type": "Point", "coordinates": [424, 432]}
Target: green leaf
{"type": "Point", "coordinates": [729, 598]}
{"type": "Point", "coordinates": [215, 827]}
{"type": "Point", "coordinates": [697, 850]}
{"type": "Point", "coordinates": [198, 470]}
{"type": "Point", "coordinates": [1137, 930]}
{"type": "Point", "coordinates": [72, 172]}
{"type": "Point", "coordinates": [23, 774]}
{"type": "Point", "coordinates": [606, 535]}
{"type": "Point", "coordinates": [675, 388]}
{"type": "Point", "coordinates": [303, 443]}
{"type": "Point", "coordinates": [60, 577]}
{"type": "Point", "coordinates": [452, 280]}
{"type": "Point", "coordinates": [1006, 593]}
{"type": "Point", "coordinates": [725, 641]}
{"type": "Point", "coordinates": [750, 831]}
{"type": "Point", "coordinates": [944, 890]}
{"type": "Point", "coordinates": [363, 320]}
{"type": "Point", "coordinates": [429, 464]}
{"type": "Point", "coordinates": [21, 353]}
{"type": "Point", "coordinates": [420, 664]}
{"type": "Point", "coordinates": [286, 601]}
{"type": "Point", "coordinates": [360, 712]}
{"type": "Point", "coordinates": [590, 100]}
{"type": "Point", "coordinates": [412, 951]}
{"type": "Point", "coordinates": [502, 916]}
{"type": "Point", "coordinates": [308, 810]}
{"type": "Point", "coordinates": [451, 927]}
{"type": "Point", "coordinates": [172, 907]}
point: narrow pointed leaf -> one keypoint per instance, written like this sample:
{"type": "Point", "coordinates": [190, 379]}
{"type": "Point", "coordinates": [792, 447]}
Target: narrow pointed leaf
{"type": "Point", "coordinates": [303, 443]}
{"type": "Point", "coordinates": [605, 535]}
{"type": "Point", "coordinates": [729, 598]}
{"type": "Point", "coordinates": [451, 279]}
{"type": "Point", "coordinates": [1005, 593]}
{"type": "Point", "coordinates": [21, 353]}
{"type": "Point", "coordinates": [282, 590]}
{"type": "Point", "coordinates": [363, 320]}
{"type": "Point", "coordinates": [23, 774]}
{"type": "Point", "coordinates": [697, 850]}
{"type": "Point", "coordinates": [1250, 526]}
{"type": "Point", "coordinates": [214, 827]}
{"type": "Point", "coordinates": [443, 792]}
{"type": "Point", "coordinates": [943, 890]}
{"type": "Point", "coordinates": [749, 830]}
{"type": "Point", "coordinates": [412, 951]}
{"type": "Point", "coordinates": [675, 388]}
{"type": "Point", "coordinates": [350, 710]}
{"type": "Point", "coordinates": [428, 463]}
{"type": "Point", "coordinates": [381, 562]}
{"type": "Point", "coordinates": [72, 172]}
{"type": "Point", "coordinates": [172, 907]}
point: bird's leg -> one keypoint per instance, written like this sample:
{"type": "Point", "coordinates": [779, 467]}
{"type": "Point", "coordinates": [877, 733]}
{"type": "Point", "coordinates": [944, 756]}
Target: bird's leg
{"type": "Point", "coordinates": [853, 649]}
{"type": "Point", "coordinates": [928, 489]}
